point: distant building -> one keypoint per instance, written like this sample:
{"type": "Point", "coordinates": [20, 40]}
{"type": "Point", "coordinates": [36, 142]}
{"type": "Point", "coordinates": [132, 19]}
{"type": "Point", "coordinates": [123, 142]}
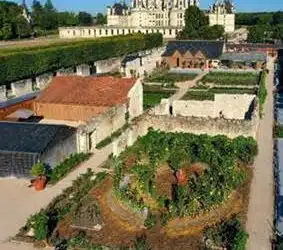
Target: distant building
{"type": "Point", "coordinates": [151, 16]}
{"type": "Point", "coordinates": [24, 144]}
{"type": "Point", "coordinates": [192, 54]}
{"type": "Point", "coordinates": [223, 13]}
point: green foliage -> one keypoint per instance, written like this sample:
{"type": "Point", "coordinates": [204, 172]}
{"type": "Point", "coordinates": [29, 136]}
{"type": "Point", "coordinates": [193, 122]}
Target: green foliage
{"type": "Point", "coordinates": [262, 93]}
{"type": "Point", "coordinates": [229, 234]}
{"type": "Point", "coordinates": [153, 98]}
{"type": "Point", "coordinates": [38, 169]}
{"type": "Point", "coordinates": [229, 78]}
{"type": "Point", "coordinates": [65, 167]}
{"type": "Point", "coordinates": [199, 96]}
{"type": "Point", "coordinates": [85, 19]}
{"type": "Point", "coordinates": [278, 131]}
{"type": "Point", "coordinates": [145, 175]}
{"type": "Point", "coordinates": [234, 91]}
{"type": "Point", "coordinates": [223, 174]}
{"type": "Point", "coordinates": [245, 149]}
{"type": "Point", "coordinates": [150, 221]}
{"type": "Point", "coordinates": [39, 222]}
{"type": "Point", "coordinates": [21, 63]}
{"type": "Point", "coordinates": [197, 26]}
{"type": "Point", "coordinates": [163, 76]}
{"type": "Point", "coordinates": [100, 19]}
{"type": "Point", "coordinates": [141, 244]}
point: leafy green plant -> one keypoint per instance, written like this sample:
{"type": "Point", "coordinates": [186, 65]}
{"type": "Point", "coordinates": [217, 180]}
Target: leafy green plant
{"type": "Point", "coordinates": [150, 221]}
{"type": "Point", "coordinates": [199, 96]}
{"type": "Point", "coordinates": [38, 169]}
{"type": "Point", "coordinates": [141, 244]}
{"type": "Point", "coordinates": [262, 93]}
{"type": "Point", "coordinates": [61, 170]}
{"type": "Point", "coordinates": [153, 98]}
{"type": "Point", "coordinates": [39, 222]}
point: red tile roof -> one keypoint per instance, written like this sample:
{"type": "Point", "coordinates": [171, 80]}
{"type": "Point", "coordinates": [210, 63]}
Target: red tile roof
{"type": "Point", "coordinates": [90, 91]}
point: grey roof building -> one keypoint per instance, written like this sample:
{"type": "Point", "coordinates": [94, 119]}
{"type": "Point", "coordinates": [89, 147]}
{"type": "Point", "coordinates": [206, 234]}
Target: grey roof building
{"type": "Point", "coordinates": [248, 57]}
{"type": "Point", "coordinates": [24, 144]}
{"type": "Point", "coordinates": [211, 49]}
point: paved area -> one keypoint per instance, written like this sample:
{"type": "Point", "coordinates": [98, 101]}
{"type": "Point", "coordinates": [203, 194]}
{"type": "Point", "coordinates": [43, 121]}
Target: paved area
{"type": "Point", "coordinates": [18, 201]}
{"type": "Point", "coordinates": [260, 214]}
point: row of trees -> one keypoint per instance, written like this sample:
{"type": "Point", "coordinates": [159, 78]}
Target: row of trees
{"type": "Point", "coordinates": [197, 26]}
{"type": "Point", "coordinates": [40, 20]}
{"type": "Point", "coordinates": [265, 33]}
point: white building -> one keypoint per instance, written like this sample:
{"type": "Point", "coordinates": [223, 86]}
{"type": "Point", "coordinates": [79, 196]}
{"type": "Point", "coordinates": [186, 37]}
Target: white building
{"type": "Point", "coordinates": [222, 13]}
{"type": "Point", "coordinates": [150, 16]}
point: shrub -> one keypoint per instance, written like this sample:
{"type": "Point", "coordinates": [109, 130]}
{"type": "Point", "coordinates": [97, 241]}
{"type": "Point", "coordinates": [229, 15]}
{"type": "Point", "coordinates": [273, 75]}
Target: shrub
{"type": "Point", "coordinates": [262, 93]}
{"type": "Point", "coordinates": [38, 169]}
{"type": "Point", "coordinates": [199, 96]}
{"type": "Point", "coordinates": [39, 222]}
{"type": "Point", "coordinates": [153, 98]}
{"type": "Point", "coordinates": [141, 243]}
{"type": "Point", "coordinates": [24, 63]}
{"type": "Point", "coordinates": [150, 221]}
{"type": "Point", "coordinates": [66, 166]}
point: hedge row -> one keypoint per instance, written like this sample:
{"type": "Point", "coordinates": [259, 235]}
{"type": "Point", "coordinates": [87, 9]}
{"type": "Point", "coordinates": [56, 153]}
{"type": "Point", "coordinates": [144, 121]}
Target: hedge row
{"type": "Point", "coordinates": [18, 65]}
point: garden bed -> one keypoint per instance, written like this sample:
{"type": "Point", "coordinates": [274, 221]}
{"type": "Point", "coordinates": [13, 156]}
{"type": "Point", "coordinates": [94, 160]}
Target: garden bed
{"type": "Point", "coordinates": [165, 77]}
{"type": "Point", "coordinates": [162, 179]}
{"type": "Point", "coordinates": [230, 78]}
{"type": "Point", "coordinates": [153, 98]}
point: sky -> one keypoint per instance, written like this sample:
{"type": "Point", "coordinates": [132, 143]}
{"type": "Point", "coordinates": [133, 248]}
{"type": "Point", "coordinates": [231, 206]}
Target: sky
{"type": "Point", "coordinates": [94, 6]}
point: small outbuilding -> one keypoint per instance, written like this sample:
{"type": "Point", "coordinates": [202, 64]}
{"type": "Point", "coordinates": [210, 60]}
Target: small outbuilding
{"type": "Point", "coordinates": [192, 54]}
{"type": "Point", "coordinates": [24, 144]}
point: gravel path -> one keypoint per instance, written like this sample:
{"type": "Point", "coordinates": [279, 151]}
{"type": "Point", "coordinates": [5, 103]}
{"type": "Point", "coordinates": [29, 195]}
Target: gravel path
{"type": "Point", "coordinates": [260, 214]}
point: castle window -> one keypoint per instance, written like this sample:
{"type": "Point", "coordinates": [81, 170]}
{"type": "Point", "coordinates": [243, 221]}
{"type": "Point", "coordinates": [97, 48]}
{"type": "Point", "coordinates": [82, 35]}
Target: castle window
{"type": "Point", "coordinates": [89, 32]}
{"type": "Point", "coordinates": [100, 32]}
{"type": "Point", "coordinates": [123, 31]}
{"type": "Point", "coordinates": [170, 32]}
{"type": "Point", "coordinates": [112, 32]}
{"type": "Point", "coordinates": [106, 32]}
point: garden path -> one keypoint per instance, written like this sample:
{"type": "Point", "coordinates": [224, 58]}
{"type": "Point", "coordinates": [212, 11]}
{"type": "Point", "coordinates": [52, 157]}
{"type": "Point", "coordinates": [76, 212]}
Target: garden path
{"type": "Point", "coordinates": [18, 201]}
{"type": "Point", "coordinates": [260, 214]}
{"type": "Point", "coordinates": [184, 86]}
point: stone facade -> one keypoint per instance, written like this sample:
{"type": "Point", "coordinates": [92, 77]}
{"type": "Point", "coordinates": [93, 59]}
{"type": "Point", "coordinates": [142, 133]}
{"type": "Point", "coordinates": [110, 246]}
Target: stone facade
{"type": "Point", "coordinates": [3, 93]}
{"type": "Point", "coordinates": [21, 88]}
{"type": "Point", "coordinates": [150, 16]}
{"type": "Point", "coordinates": [42, 81]}
{"type": "Point", "coordinates": [226, 106]}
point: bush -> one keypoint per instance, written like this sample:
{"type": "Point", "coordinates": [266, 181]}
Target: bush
{"type": "Point", "coordinates": [38, 169]}
{"type": "Point", "coordinates": [66, 166]}
{"type": "Point", "coordinates": [39, 222]}
{"type": "Point", "coordinates": [141, 244]}
{"type": "Point", "coordinates": [151, 99]}
{"type": "Point", "coordinates": [150, 221]}
{"type": "Point", "coordinates": [262, 93]}
{"type": "Point", "coordinates": [199, 96]}
{"type": "Point", "coordinates": [19, 63]}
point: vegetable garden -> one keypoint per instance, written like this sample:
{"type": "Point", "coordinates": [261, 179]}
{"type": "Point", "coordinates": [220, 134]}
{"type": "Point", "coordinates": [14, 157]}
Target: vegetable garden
{"type": "Point", "coordinates": [165, 184]}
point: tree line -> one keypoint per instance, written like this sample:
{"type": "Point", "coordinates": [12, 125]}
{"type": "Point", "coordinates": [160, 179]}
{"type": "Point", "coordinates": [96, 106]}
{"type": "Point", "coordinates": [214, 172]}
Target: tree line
{"type": "Point", "coordinates": [18, 22]}
{"type": "Point", "coordinates": [262, 26]}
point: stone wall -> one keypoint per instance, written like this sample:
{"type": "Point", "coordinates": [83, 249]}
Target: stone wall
{"type": "Point", "coordinates": [65, 72]}
{"type": "Point", "coordinates": [21, 88]}
{"type": "Point", "coordinates": [3, 94]}
{"type": "Point", "coordinates": [224, 105]}
{"type": "Point", "coordinates": [109, 65]}
{"type": "Point", "coordinates": [135, 100]}
{"type": "Point", "coordinates": [83, 70]}
{"type": "Point", "coordinates": [42, 81]}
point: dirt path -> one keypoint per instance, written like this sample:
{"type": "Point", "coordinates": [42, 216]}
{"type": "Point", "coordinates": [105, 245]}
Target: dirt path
{"type": "Point", "coordinates": [184, 86]}
{"type": "Point", "coordinates": [260, 214]}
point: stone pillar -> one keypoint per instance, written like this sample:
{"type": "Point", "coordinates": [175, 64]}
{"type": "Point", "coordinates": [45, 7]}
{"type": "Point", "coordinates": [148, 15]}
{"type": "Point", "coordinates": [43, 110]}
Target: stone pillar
{"type": "Point", "coordinates": [83, 70]}
{"type": "Point", "coordinates": [3, 94]}
{"type": "Point", "coordinates": [42, 81]}
{"type": "Point", "coordinates": [21, 88]}
{"type": "Point", "coordinates": [82, 142]}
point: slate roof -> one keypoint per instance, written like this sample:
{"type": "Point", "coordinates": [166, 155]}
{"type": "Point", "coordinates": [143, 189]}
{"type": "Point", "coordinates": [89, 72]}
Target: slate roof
{"type": "Point", "coordinates": [212, 49]}
{"type": "Point", "coordinates": [244, 57]}
{"type": "Point", "coordinates": [89, 91]}
{"type": "Point", "coordinates": [31, 137]}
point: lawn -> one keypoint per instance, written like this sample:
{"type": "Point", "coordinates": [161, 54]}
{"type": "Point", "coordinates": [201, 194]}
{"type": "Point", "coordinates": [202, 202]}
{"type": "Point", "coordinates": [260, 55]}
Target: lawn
{"type": "Point", "coordinates": [153, 98]}
{"type": "Point", "coordinates": [164, 76]}
{"type": "Point", "coordinates": [171, 190]}
{"type": "Point", "coordinates": [209, 94]}
{"type": "Point", "coordinates": [225, 78]}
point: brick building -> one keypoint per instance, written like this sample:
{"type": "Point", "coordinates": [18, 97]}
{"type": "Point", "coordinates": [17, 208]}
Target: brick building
{"type": "Point", "coordinates": [192, 54]}
{"type": "Point", "coordinates": [75, 98]}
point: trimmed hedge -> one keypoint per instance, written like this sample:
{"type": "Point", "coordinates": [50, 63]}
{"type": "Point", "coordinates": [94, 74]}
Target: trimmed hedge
{"type": "Point", "coordinates": [17, 64]}
{"type": "Point", "coordinates": [262, 93]}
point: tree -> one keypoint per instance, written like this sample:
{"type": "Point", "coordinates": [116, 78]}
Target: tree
{"type": "Point", "coordinates": [85, 19]}
{"type": "Point", "coordinates": [257, 34]}
{"type": "Point", "coordinates": [49, 6]}
{"type": "Point", "coordinates": [100, 19]}
{"type": "Point", "coordinates": [67, 19]}
{"type": "Point", "coordinates": [23, 28]}
{"type": "Point", "coordinates": [278, 18]}
{"type": "Point", "coordinates": [197, 26]}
